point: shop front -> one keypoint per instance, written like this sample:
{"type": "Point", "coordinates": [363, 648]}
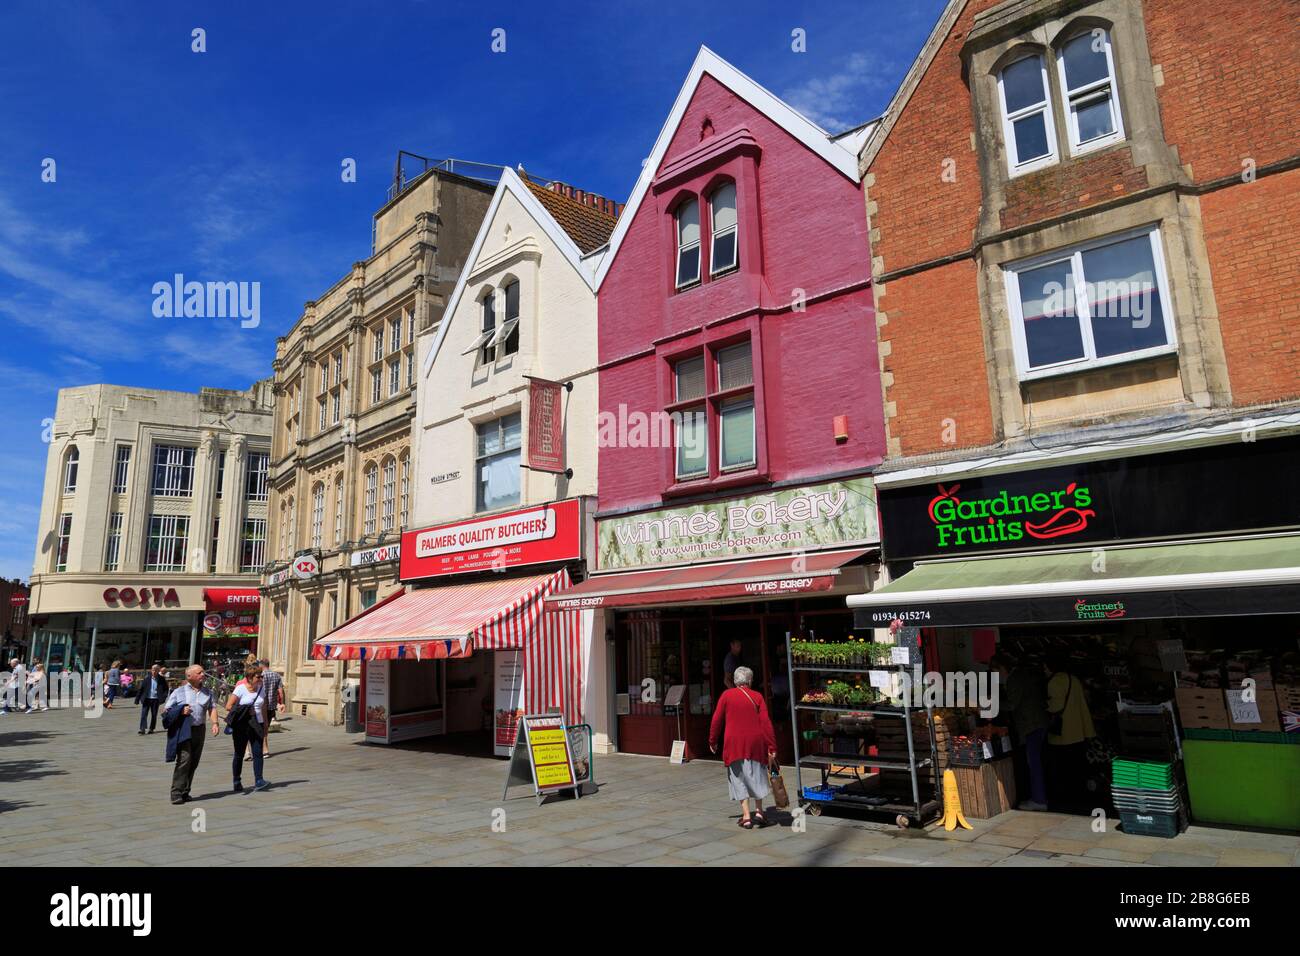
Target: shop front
{"type": "Point", "coordinates": [230, 622]}
{"type": "Point", "coordinates": [464, 650]}
{"type": "Point", "coordinates": [1167, 583]}
{"type": "Point", "coordinates": [698, 590]}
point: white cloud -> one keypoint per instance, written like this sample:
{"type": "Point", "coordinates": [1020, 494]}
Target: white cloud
{"type": "Point", "coordinates": [839, 100]}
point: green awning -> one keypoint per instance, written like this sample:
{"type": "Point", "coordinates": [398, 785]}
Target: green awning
{"type": "Point", "coordinates": [1258, 575]}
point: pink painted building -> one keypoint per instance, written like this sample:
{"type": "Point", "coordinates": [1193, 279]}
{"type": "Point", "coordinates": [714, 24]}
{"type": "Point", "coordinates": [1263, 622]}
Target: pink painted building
{"type": "Point", "coordinates": [740, 405]}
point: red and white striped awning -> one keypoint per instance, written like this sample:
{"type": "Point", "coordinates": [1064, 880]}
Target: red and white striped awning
{"type": "Point", "coordinates": [445, 621]}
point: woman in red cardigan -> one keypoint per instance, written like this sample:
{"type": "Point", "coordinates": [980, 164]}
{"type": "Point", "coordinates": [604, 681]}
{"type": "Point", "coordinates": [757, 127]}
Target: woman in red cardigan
{"type": "Point", "coordinates": [748, 745]}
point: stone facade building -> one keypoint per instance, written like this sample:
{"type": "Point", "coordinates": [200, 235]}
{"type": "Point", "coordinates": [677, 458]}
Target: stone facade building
{"type": "Point", "coordinates": [154, 502]}
{"type": "Point", "coordinates": [342, 478]}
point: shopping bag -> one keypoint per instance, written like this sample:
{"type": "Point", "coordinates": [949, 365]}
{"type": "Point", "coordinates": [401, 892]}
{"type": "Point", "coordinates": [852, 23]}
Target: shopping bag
{"type": "Point", "coordinates": [780, 798]}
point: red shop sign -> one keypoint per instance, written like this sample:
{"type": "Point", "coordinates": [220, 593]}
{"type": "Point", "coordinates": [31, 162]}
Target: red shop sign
{"type": "Point", "coordinates": [539, 535]}
{"type": "Point", "coordinates": [17, 599]}
{"type": "Point", "coordinates": [546, 426]}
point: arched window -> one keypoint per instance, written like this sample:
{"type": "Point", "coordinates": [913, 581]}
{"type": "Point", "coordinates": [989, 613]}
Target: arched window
{"type": "Point", "coordinates": [390, 494]}
{"type": "Point", "coordinates": [70, 462]}
{"type": "Point", "coordinates": [317, 515]}
{"type": "Point", "coordinates": [722, 222]}
{"type": "Point", "coordinates": [1087, 73]}
{"type": "Point", "coordinates": [687, 221]}
{"type": "Point", "coordinates": [1027, 114]}
{"type": "Point", "coordinates": [372, 492]}
{"type": "Point", "coordinates": [404, 517]}
{"type": "Point", "coordinates": [338, 512]}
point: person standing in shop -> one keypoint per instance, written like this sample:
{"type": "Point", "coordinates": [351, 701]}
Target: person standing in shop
{"type": "Point", "coordinates": [1024, 698]}
{"type": "Point", "coordinates": [1069, 730]}
{"type": "Point", "coordinates": [735, 658]}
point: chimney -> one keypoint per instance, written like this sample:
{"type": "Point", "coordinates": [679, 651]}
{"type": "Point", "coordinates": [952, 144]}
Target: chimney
{"type": "Point", "coordinates": [607, 206]}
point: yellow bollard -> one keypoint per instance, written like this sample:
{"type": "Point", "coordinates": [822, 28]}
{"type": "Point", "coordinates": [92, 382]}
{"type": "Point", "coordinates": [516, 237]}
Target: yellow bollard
{"type": "Point", "coordinates": [952, 814]}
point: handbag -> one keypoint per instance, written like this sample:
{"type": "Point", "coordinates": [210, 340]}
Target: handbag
{"type": "Point", "coordinates": [780, 798]}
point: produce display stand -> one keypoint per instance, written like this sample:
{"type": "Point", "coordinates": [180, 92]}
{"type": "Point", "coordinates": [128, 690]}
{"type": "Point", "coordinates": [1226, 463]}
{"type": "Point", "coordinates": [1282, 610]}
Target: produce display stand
{"type": "Point", "coordinates": [864, 793]}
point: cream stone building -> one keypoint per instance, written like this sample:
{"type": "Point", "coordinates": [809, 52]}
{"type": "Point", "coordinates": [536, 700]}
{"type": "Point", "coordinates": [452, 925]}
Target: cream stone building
{"type": "Point", "coordinates": [341, 471]}
{"type": "Point", "coordinates": [524, 309]}
{"type": "Point", "coordinates": [153, 522]}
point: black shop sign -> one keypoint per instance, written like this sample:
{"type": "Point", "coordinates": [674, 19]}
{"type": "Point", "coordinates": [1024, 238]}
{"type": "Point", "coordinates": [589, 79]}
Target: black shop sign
{"type": "Point", "coordinates": [1229, 488]}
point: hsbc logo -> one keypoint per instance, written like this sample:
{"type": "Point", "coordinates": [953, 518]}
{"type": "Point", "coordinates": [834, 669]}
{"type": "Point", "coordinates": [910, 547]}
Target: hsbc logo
{"type": "Point", "coordinates": [305, 566]}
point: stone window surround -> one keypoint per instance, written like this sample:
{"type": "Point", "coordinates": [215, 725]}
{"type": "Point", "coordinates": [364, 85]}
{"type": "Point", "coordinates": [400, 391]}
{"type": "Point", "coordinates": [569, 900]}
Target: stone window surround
{"type": "Point", "coordinates": [1008, 32]}
{"type": "Point", "coordinates": [1201, 360]}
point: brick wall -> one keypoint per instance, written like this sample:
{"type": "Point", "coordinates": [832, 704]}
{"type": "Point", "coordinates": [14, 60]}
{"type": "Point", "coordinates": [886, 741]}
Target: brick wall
{"type": "Point", "coordinates": [1254, 261]}
{"type": "Point", "coordinates": [1231, 80]}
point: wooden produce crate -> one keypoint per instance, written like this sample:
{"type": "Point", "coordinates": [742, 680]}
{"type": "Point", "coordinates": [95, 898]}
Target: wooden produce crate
{"type": "Point", "coordinates": [1203, 708]}
{"type": "Point", "coordinates": [988, 790]}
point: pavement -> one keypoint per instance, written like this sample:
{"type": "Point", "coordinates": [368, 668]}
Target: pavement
{"type": "Point", "coordinates": [77, 791]}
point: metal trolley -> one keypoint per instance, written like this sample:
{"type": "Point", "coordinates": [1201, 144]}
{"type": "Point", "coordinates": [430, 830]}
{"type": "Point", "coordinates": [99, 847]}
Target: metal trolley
{"type": "Point", "coordinates": [863, 794]}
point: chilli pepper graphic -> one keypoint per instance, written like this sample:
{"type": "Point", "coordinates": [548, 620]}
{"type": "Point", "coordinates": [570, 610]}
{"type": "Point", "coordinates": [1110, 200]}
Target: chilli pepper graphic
{"type": "Point", "coordinates": [1065, 521]}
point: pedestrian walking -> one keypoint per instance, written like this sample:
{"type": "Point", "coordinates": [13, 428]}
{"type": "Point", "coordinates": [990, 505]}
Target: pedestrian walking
{"type": "Point", "coordinates": [186, 710]}
{"type": "Point", "coordinates": [112, 683]}
{"type": "Point", "coordinates": [36, 688]}
{"type": "Point", "coordinates": [246, 721]}
{"type": "Point", "coordinates": [748, 745]}
{"type": "Point", "coordinates": [15, 692]}
{"type": "Point", "coordinates": [273, 694]}
{"type": "Point", "coordinates": [153, 690]}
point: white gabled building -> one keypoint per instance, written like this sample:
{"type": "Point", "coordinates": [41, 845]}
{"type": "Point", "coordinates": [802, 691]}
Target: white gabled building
{"type": "Point", "coordinates": [522, 314]}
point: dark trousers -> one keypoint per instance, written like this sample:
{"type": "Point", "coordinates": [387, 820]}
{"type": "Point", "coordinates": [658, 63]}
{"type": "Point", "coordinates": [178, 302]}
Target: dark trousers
{"type": "Point", "coordinates": [187, 761]}
{"type": "Point", "coordinates": [1034, 744]}
{"type": "Point", "coordinates": [149, 708]}
{"type": "Point", "coordinates": [243, 740]}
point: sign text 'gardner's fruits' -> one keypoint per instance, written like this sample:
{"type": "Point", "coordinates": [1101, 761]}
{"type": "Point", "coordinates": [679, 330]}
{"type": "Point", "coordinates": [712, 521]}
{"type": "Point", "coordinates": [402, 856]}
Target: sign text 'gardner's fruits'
{"type": "Point", "coordinates": [1003, 517]}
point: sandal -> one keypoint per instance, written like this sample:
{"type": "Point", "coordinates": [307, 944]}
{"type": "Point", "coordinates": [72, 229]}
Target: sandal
{"type": "Point", "coordinates": [759, 820]}
{"type": "Point", "coordinates": [746, 824]}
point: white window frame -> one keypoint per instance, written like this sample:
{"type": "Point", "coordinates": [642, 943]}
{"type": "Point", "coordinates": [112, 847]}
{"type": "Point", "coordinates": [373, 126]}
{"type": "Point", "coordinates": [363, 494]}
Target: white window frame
{"type": "Point", "coordinates": [258, 541]}
{"type": "Point", "coordinates": [260, 477]}
{"type": "Point", "coordinates": [394, 377]}
{"type": "Point", "coordinates": [338, 513]}
{"type": "Point", "coordinates": [700, 406]}
{"type": "Point", "coordinates": [680, 247]}
{"type": "Point", "coordinates": [71, 465]}
{"type": "Point", "coordinates": [372, 494]}
{"type": "Point", "coordinates": [318, 515]}
{"type": "Point", "coordinates": [388, 497]}
{"type": "Point", "coordinates": [171, 530]}
{"type": "Point", "coordinates": [405, 491]}
{"type": "Point", "coordinates": [178, 471]}
{"type": "Point", "coordinates": [1086, 93]}
{"type": "Point", "coordinates": [321, 427]}
{"type": "Point", "coordinates": [121, 469]}
{"type": "Point", "coordinates": [1014, 167]}
{"type": "Point", "coordinates": [376, 386]}
{"type": "Point", "coordinates": [715, 233]}
{"type": "Point", "coordinates": [63, 542]}
{"type": "Point", "coordinates": [1074, 253]}
{"type": "Point", "coordinates": [113, 542]}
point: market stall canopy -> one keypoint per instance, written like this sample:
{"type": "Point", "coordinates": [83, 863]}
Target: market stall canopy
{"type": "Point", "coordinates": [755, 578]}
{"type": "Point", "coordinates": [1226, 577]}
{"type": "Point", "coordinates": [445, 621]}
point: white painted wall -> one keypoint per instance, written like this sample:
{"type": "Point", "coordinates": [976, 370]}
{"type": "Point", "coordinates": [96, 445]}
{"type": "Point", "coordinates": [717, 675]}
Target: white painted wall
{"type": "Point", "coordinates": [557, 341]}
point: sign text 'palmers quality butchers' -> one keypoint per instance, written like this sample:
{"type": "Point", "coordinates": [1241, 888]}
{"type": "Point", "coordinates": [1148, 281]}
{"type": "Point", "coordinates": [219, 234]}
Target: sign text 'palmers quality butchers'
{"type": "Point", "coordinates": [792, 519]}
{"type": "Point", "coordinates": [540, 535]}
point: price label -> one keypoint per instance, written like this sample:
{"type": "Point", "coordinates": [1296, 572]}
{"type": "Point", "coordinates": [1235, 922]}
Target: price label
{"type": "Point", "coordinates": [900, 655]}
{"type": "Point", "coordinates": [880, 679]}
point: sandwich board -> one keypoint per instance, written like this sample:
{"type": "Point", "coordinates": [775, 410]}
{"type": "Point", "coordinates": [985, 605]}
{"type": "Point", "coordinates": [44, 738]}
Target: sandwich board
{"type": "Point", "coordinates": [543, 757]}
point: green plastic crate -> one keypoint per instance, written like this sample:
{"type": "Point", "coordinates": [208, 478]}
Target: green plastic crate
{"type": "Point", "coordinates": [1141, 775]}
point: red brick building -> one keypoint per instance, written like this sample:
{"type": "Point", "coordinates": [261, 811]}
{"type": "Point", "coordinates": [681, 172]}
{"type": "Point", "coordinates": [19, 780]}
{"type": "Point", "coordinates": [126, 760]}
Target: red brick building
{"type": "Point", "coordinates": [1084, 257]}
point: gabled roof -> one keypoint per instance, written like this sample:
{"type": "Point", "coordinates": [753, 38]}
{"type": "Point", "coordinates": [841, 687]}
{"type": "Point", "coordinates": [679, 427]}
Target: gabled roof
{"type": "Point", "coordinates": [837, 154]}
{"type": "Point", "coordinates": [511, 183]}
{"type": "Point", "coordinates": [586, 225]}
{"type": "Point", "coordinates": [912, 80]}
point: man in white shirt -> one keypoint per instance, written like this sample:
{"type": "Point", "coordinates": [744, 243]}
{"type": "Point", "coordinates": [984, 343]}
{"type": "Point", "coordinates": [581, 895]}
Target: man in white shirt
{"type": "Point", "coordinates": [198, 706]}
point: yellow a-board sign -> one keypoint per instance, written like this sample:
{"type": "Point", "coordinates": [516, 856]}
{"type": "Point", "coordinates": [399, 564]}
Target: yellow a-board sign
{"type": "Point", "coordinates": [543, 744]}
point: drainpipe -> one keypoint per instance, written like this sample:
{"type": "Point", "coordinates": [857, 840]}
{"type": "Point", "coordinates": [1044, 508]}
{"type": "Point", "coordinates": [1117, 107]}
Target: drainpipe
{"type": "Point", "coordinates": [94, 635]}
{"type": "Point", "coordinates": [194, 640]}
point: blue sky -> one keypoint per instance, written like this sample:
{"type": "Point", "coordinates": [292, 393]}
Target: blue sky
{"type": "Point", "coordinates": [225, 165]}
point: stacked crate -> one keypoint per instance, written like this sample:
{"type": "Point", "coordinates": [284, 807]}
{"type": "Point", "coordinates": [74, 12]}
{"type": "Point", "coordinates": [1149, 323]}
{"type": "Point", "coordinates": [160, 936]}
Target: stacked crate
{"type": "Point", "coordinates": [1151, 797]}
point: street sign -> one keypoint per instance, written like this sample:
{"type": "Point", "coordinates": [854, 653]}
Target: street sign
{"type": "Point", "coordinates": [543, 757]}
